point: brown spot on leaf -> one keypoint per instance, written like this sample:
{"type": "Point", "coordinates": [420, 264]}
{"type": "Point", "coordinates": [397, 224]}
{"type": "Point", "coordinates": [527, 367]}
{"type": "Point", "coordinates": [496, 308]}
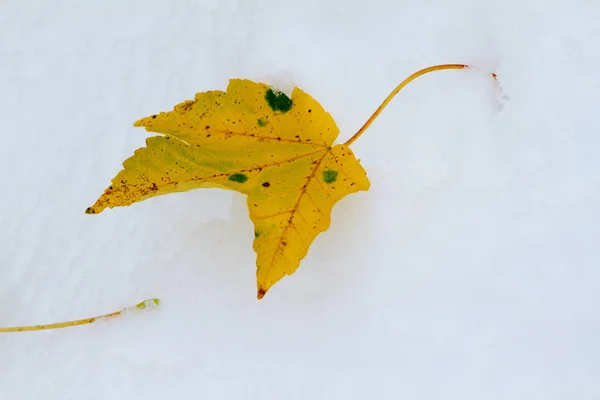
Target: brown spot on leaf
{"type": "Point", "coordinates": [187, 105]}
{"type": "Point", "coordinates": [261, 293]}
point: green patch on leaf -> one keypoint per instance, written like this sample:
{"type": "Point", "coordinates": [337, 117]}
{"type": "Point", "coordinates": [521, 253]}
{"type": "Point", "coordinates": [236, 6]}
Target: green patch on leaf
{"type": "Point", "coordinates": [278, 101]}
{"type": "Point", "coordinates": [239, 178]}
{"type": "Point", "coordinates": [330, 176]}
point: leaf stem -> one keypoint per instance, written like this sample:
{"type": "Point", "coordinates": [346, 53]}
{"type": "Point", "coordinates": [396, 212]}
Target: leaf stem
{"type": "Point", "coordinates": [399, 88]}
{"type": "Point", "coordinates": [140, 306]}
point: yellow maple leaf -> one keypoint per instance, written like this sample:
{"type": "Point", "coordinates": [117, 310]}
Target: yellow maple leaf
{"type": "Point", "coordinates": [254, 140]}
{"type": "Point", "coordinates": [279, 151]}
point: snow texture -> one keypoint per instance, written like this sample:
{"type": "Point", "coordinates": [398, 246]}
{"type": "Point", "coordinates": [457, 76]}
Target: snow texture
{"type": "Point", "coordinates": [470, 270]}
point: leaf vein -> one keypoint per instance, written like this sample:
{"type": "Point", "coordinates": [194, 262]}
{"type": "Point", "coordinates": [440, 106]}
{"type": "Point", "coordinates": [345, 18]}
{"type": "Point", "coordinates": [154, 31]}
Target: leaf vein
{"type": "Point", "coordinates": [294, 209]}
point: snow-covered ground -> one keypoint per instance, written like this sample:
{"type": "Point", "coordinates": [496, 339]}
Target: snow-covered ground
{"type": "Point", "coordinates": [470, 270]}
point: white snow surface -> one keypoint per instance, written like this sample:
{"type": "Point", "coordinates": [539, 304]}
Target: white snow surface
{"type": "Point", "coordinates": [469, 270]}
